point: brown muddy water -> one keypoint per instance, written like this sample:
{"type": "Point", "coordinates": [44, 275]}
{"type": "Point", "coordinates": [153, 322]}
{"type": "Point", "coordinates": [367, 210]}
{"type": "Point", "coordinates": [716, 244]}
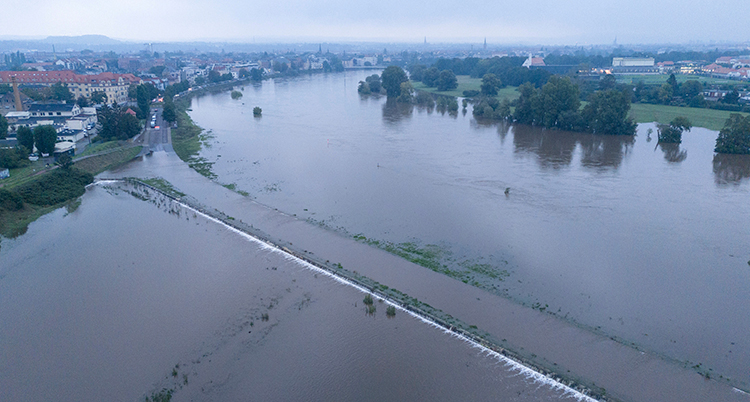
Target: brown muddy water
{"type": "Point", "coordinates": [648, 244]}
{"type": "Point", "coordinates": [132, 294]}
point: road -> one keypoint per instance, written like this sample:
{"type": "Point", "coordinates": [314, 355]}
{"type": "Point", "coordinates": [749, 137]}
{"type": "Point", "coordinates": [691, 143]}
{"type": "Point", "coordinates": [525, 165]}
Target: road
{"type": "Point", "coordinates": [158, 138]}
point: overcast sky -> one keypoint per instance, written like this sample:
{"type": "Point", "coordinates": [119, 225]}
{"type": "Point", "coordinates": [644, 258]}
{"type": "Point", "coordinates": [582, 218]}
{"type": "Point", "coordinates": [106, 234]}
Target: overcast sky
{"type": "Point", "coordinates": [501, 21]}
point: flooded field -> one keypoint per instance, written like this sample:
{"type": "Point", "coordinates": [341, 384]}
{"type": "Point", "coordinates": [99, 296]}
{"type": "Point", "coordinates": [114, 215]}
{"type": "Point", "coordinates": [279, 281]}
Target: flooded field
{"type": "Point", "coordinates": [645, 243]}
{"type": "Point", "coordinates": [133, 295]}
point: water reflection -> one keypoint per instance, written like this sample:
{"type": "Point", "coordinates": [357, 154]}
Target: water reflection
{"type": "Point", "coordinates": [731, 169]}
{"type": "Point", "coordinates": [605, 151]}
{"type": "Point", "coordinates": [554, 149]}
{"type": "Point", "coordinates": [394, 112]}
{"type": "Point", "coordinates": [673, 153]}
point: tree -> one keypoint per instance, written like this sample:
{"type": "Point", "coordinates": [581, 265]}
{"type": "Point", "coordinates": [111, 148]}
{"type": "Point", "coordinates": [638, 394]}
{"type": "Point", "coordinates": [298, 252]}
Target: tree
{"type": "Point", "coordinates": [169, 114]}
{"type": "Point", "coordinates": [691, 88]}
{"type": "Point", "coordinates": [3, 127]}
{"type": "Point", "coordinates": [44, 139]}
{"type": "Point", "coordinates": [117, 124]}
{"type": "Point", "coordinates": [607, 113]}
{"type": "Point", "coordinates": [25, 138]}
{"type": "Point", "coordinates": [60, 92]}
{"type": "Point", "coordinates": [665, 93]}
{"type": "Point", "coordinates": [608, 82]}
{"type": "Point", "coordinates": [672, 133]}
{"type": "Point", "coordinates": [257, 111]}
{"type": "Point", "coordinates": [99, 97]}
{"type": "Point", "coordinates": [65, 161]}
{"type": "Point", "coordinates": [490, 84]}
{"type": "Point", "coordinates": [11, 158]}
{"type": "Point", "coordinates": [557, 104]}
{"type": "Point", "coordinates": [407, 91]}
{"type": "Point", "coordinates": [82, 101]}
{"type": "Point", "coordinates": [731, 98]}
{"type": "Point", "coordinates": [447, 81]}
{"type": "Point", "coordinates": [430, 76]}
{"type": "Point", "coordinates": [416, 72]}
{"type": "Point", "coordinates": [734, 138]}
{"type": "Point", "coordinates": [392, 78]}
{"type": "Point", "coordinates": [214, 76]}
{"type": "Point", "coordinates": [128, 126]}
{"type": "Point", "coordinates": [256, 74]}
{"type": "Point", "coordinates": [132, 92]}
{"type": "Point", "coordinates": [672, 81]}
{"type": "Point", "coordinates": [157, 70]}
{"type": "Point", "coordinates": [374, 83]}
{"type": "Point", "coordinates": [143, 102]}
{"type": "Point", "coordinates": [364, 88]}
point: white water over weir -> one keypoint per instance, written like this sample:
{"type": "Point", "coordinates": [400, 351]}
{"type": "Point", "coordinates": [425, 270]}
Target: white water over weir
{"type": "Point", "coordinates": [527, 372]}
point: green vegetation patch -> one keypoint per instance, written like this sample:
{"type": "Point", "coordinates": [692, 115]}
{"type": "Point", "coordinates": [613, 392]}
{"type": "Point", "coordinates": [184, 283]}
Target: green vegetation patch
{"type": "Point", "coordinates": [163, 185]}
{"type": "Point", "coordinates": [55, 187]}
{"type": "Point", "coordinates": [109, 160]}
{"type": "Point", "coordinates": [100, 147]}
{"type": "Point", "coordinates": [187, 139]}
{"type": "Point", "coordinates": [663, 114]}
{"type": "Point", "coordinates": [478, 274]}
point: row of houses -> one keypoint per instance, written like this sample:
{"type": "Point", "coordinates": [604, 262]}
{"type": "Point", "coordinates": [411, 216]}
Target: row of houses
{"type": "Point", "coordinates": [69, 120]}
{"type": "Point", "coordinates": [114, 86]}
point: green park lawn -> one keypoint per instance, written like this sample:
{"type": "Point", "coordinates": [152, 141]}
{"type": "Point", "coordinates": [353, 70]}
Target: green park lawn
{"type": "Point", "coordinates": [708, 118]}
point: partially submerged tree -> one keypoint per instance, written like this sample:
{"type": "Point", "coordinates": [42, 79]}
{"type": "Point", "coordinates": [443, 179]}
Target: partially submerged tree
{"type": "Point", "coordinates": [672, 133]}
{"type": "Point", "coordinates": [392, 78]}
{"type": "Point", "coordinates": [734, 138]}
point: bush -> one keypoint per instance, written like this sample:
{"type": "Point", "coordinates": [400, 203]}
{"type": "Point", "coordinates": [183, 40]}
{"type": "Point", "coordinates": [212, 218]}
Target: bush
{"type": "Point", "coordinates": [236, 94]}
{"type": "Point", "coordinates": [390, 311]}
{"type": "Point", "coordinates": [368, 300]}
{"type": "Point", "coordinates": [257, 111]}
{"type": "Point", "coordinates": [55, 187]}
{"type": "Point", "coordinates": [13, 158]}
{"type": "Point", "coordinates": [10, 201]}
{"type": "Point", "coordinates": [471, 93]}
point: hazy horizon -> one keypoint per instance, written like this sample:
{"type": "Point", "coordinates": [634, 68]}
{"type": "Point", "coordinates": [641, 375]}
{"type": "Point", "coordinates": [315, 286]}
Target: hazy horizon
{"type": "Point", "coordinates": [293, 21]}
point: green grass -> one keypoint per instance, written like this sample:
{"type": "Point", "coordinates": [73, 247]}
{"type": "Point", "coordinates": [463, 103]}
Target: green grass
{"type": "Point", "coordinates": [466, 83]}
{"type": "Point", "coordinates": [96, 148]}
{"type": "Point", "coordinates": [22, 175]}
{"type": "Point", "coordinates": [186, 141]}
{"type": "Point", "coordinates": [708, 118]}
{"type": "Point", "coordinates": [111, 160]}
{"type": "Point", "coordinates": [657, 79]}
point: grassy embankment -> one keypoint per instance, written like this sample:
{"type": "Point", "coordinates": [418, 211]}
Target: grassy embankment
{"type": "Point", "coordinates": [187, 139]}
{"type": "Point", "coordinates": [41, 190]}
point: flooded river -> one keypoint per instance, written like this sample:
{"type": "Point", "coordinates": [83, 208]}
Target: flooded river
{"type": "Point", "coordinates": [132, 294]}
{"type": "Point", "coordinates": [646, 243]}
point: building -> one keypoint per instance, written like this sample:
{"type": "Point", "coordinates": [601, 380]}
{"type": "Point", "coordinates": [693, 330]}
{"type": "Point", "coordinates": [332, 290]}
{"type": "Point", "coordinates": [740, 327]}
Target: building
{"type": "Point", "coordinates": [533, 62]}
{"type": "Point", "coordinates": [115, 86]}
{"type": "Point", "coordinates": [634, 65]}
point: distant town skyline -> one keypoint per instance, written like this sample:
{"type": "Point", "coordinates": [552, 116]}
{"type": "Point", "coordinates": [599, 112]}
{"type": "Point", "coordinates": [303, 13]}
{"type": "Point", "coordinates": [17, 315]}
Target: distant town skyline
{"type": "Point", "coordinates": [502, 22]}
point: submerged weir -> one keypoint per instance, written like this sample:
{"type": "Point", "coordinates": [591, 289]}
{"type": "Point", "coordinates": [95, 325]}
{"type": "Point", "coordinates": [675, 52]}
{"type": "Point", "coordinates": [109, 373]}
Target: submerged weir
{"type": "Point", "coordinates": [552, 380]}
